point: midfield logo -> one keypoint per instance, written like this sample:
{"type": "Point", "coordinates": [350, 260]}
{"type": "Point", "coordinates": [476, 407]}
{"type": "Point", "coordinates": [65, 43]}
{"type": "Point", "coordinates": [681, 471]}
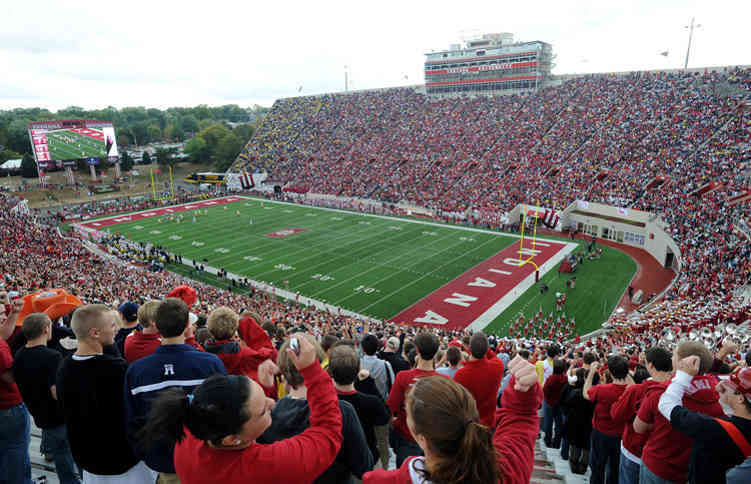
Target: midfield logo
{"type": "Point", "coordinates": [280, 234]}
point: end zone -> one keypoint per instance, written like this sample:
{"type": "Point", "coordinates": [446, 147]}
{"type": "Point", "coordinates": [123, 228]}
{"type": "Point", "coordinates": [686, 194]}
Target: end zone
{"type": "Point", "coordinates": [474, 299]}
{"type": "Point", "coordinates": [101, 223]}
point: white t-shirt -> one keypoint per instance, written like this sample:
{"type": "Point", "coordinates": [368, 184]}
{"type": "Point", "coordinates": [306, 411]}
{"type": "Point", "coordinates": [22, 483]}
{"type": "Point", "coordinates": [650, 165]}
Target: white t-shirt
{"type": "Point", "coordinates": [138, 474]}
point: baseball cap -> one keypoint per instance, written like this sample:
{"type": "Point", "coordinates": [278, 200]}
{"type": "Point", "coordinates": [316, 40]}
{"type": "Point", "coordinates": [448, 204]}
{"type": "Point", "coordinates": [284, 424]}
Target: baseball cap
{"type": "Point", "coordinates": [740, 381]}
{"type": "Point", "coordinates": [392, 343]}
{"type": "Point", "coordinates": [129, 310]}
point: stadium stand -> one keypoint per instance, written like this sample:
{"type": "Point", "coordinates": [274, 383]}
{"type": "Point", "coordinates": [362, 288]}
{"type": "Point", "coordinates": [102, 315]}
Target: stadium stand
{"type": "Point", "coordinates": [673, 144]}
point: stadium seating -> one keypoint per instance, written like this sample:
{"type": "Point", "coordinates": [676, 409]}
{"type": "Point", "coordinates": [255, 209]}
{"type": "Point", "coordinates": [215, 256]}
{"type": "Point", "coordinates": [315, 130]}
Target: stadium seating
{"type": "Point", "coordinates": [491, 153]}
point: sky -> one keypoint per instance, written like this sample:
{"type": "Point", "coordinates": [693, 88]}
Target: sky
{"type": "Point", "coordinates": [161, 53]}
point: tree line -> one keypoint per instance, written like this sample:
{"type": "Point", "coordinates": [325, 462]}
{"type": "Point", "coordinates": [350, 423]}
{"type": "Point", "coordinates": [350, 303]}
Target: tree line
{"type": "Point", "coordinates": [211, 137]}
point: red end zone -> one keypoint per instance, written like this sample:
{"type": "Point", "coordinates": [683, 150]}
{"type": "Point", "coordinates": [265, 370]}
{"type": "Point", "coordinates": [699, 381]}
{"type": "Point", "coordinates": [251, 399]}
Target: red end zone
{"type": "Point", "coordinates": [464, 300]}
{"type": "Point", "coordinates": [157, 212]}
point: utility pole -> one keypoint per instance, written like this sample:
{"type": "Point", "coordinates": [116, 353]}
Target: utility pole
{"type": "Point", "coordinates": [690, 35]}
{"type": "Point", "coordinates": [346, 80]}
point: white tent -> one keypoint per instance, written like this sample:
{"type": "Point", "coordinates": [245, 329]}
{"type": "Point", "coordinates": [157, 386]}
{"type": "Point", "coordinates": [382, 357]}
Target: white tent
{"type": "Point", "coordinates": [11, 165]}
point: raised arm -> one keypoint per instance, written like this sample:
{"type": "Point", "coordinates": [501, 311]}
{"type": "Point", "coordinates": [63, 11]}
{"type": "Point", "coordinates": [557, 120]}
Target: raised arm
{"type": "Point", "coordinates": [517, 423]}
{"type": "Point", "coordinates": [590, 378]}
{"type": "Point", "coordinates": [311, 452]}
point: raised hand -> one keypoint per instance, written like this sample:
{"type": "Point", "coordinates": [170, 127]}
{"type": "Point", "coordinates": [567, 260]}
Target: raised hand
{"type": "Point", "coordinates": [524, 374]}
{"type": "Point", "coordinates": [690, 365]}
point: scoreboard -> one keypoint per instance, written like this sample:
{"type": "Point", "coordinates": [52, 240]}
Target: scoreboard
{"type": "Point", "coordinates": [58, 144]}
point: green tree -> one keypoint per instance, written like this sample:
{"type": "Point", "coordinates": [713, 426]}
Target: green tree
{"type": "Point", "coordinates": [244, 131]}
{"type": "Point", "coordinates": [126, 162]}
{"type": "Point", "coordinates": [153, 133]}
{"type": "Point", "coordinates": [213, 134]}
{"type": "Point", "coordinates": [190, 124]}
{"type": "Point", "coordinates": [227, 150]}
{"type": "Point", "coordinates": [123, 140]}
{"type": "Point", "coordinates": [28, 167]}
{"type": "Point", "coordinates": [18, 136]}
{"type": "Point", "coordinates": [197, 150]}
{"type": "Point", "coordinates": [166, 157]}
{"type": "Point", "coordinates": [146, 158]}
{"type": "Point", "coordinates": [6, 155]}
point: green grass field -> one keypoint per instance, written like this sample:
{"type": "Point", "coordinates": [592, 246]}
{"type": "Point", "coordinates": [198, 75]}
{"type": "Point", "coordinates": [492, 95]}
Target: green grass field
{"type": "Point", "coordinates": [62, 149]}
{"type": "Point", "coordinates": [373, 266]}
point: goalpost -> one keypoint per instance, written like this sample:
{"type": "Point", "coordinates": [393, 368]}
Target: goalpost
{"type": "Point", "coordinates": [169, 188]}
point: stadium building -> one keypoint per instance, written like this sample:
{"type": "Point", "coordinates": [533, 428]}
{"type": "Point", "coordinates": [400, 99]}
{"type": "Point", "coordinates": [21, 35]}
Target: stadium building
{"type": "Point", "coordinates": [491, 64]}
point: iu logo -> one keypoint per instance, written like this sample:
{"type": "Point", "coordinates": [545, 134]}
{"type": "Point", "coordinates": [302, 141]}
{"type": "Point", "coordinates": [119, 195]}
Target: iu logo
{"type": "Point", "coordinates": [169, 369]}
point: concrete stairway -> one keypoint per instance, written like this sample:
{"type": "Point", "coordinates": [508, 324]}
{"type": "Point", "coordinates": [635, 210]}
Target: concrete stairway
{"type": "Point", "coordinates": [39, 466]}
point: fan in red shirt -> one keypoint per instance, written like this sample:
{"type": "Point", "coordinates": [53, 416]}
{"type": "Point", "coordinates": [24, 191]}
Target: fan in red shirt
{"type": "Point", "coordinates": [238, 359]}
{"type": "Point", "coordinates": [552, 391]}
{"type": "Point", "coordinates": [659, 368]}
{"type": "Point", "coordinates": [14, 442]}
{"type": "Point", "coordinates": [216, 428]}
{"type": "Point", "coordinates": [667, 451]}
{"type": "Point", "coordinates": [139, 344]}
{"type": "Point", "coordinates": [482, 377]}
{"type": "Point", "coordinates": [402, 441]}
{"type": "Point", "coordinates": [443, 417]}
{"type": "Point", "coordinates": [606, 432]}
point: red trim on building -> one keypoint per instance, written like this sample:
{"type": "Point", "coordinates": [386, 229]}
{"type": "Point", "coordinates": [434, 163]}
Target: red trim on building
{"type": "Point", "coordinates": [479, 81]}
{"type": "Point", "coordinates": [478, 58]}
{"type": "Point", "coordinates": [517, 65]}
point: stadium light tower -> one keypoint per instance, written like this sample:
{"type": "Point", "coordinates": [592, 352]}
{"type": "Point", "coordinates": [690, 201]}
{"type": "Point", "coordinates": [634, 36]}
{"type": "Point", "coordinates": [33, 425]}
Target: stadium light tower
{"type": "Point", "coordinates": [690, 35]}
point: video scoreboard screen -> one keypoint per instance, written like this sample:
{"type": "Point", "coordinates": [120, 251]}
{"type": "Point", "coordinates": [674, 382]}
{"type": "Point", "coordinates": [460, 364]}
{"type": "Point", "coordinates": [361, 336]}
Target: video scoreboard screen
{"type": "Point", "coordinates": [62, 143]}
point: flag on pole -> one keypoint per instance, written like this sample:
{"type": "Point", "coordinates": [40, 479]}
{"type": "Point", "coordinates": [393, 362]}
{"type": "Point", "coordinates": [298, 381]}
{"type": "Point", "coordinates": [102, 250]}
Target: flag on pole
{"type": "Point", "coordinates": [664, 54]}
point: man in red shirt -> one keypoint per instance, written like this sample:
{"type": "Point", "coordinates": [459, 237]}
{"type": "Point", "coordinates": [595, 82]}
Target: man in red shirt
{"type": "Point", "coordinates": [402, 441]}
{"type": "Point", "coordinates": [606, 433]}
{"type": "Point", "coordinates": [143, 343]}
{"type": "Point", "coordinates": [238, 359]}
{"type": "Point", "coordinates": [660, 368]}
{"type": "Point", "coordinates": [552, 391]}
{"type": "Point", "coordinates": [482, 377]}
{"type": "Point", "coordinates": [14, 419]}
{"type": "Point", "coordinates": [666, 454]}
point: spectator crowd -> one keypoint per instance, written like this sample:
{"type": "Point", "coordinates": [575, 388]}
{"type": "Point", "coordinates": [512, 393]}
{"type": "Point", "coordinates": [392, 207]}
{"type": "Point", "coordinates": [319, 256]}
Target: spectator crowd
{"type": "Point", "coordinates": [141, 376]}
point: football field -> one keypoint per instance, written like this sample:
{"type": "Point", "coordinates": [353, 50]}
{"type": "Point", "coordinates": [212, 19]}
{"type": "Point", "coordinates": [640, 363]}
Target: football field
{"type": "Point", "coordinates": [68, 145]}
{"type": "Point", "coordinates": [404, 270]}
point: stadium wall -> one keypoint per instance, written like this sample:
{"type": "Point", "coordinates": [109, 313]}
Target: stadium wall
{"type": "Point", "coordinates": [626, 226]}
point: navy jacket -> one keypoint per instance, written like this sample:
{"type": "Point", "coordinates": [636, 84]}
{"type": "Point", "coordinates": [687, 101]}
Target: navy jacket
{"type": "Point", "coordinates": [179, 366]}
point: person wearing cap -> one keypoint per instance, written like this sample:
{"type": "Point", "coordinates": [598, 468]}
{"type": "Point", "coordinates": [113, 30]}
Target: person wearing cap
{"type": "Point", "coordinates": [718, 443]}
{"type": "Point", "coordinates": [173, 364]}
{"type": "Point", "coordinates": [392, 353]}
{"type": "Point", "coordinates": [129, 316]}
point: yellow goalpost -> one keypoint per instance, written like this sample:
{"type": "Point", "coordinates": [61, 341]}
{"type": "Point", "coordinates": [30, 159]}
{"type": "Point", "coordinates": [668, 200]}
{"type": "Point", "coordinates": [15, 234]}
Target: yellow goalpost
{"type": "Point", "coordinates": [170, 193]}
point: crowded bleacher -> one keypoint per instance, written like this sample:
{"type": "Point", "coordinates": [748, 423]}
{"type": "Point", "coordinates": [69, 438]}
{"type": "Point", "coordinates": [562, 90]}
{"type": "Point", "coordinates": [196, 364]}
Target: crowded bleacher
{"type": "Point", "coordinates": [234, 387]}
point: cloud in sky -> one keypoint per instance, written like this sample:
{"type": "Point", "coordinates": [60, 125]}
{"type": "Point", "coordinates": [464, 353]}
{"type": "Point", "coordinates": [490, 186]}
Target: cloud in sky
{"type": "Point", "coordinates": [164, 53]}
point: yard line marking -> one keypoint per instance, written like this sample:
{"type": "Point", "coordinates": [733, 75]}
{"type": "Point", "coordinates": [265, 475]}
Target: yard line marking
{"type": "Point", "coordinates": [376, 267]}
{"type": "Point", "coordinates": [420, 278]}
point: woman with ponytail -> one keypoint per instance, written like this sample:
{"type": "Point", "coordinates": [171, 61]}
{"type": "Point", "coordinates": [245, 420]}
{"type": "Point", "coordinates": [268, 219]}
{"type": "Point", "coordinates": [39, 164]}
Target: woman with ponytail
{"type": "Point", "coordinates": [442, 416]}
{"type": "Point", "coordinates": [216, 428]}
